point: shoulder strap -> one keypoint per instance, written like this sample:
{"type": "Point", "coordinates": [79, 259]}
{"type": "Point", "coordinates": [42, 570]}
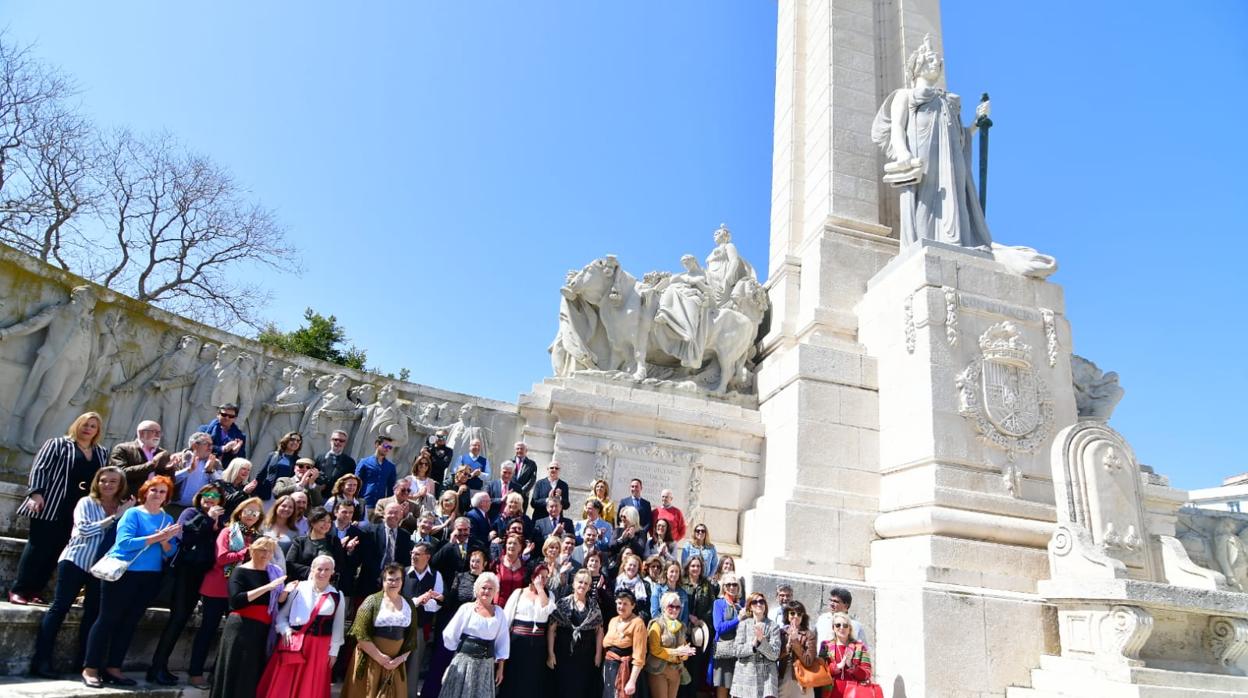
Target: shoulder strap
{"type": "Point", "coordinates": [316, 611]}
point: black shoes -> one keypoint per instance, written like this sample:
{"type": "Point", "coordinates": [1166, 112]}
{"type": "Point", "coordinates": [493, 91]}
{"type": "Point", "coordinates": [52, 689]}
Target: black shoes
{"type": "Point", "coordinates": [162, 677]}
{"type": "Point", "coordinates": [117, 680]}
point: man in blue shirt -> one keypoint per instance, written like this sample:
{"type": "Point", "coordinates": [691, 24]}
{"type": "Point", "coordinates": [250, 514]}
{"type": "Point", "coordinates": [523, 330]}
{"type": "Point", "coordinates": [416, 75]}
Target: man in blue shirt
{"type": "Point", "coordinates": [377, 475]}
{"type": "Point", "coordinates": [478, 463]}
{"type": "Point", "coordinates": [228, 441]}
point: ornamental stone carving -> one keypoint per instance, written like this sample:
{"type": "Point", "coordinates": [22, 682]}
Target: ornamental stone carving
{"type": "Point", "coordinates": [1227, 639]}
{"type": "Point", "coordinates": [695, 329]}
{"type": "Point", "coordinates": [1124, 630]}
{"type": "Point", "coordinates": [1002, 396]}
{"type": "Point", "coordinates": [1097, 393]}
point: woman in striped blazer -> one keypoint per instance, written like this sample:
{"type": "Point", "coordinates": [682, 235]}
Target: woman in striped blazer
{"type": "Point", "coordinates": [93, 534]}
{"type": "Point", "coordinates": [58, 479]}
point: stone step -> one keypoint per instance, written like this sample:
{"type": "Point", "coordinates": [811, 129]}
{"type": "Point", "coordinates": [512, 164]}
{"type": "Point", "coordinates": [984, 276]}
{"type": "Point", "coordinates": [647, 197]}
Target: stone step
{"type": "Point", "coordinates": [72, 687]}
{"type": "Point", "coordinates": [1184, 685]}
{"type": "Point", "coordinates": [1145, 676]}
{"type": "Point", "coordinates": [10, 552]}
{"type": "Point", "coordinates": [19, 626]}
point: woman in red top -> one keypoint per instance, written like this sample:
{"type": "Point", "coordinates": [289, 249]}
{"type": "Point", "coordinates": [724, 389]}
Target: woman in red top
{"type": "Point", "coordinates": [232, 544]}
{"type": "Point", "coordinates": [848, 659]}
{"type": "Point", "coordinates": [510, 568]}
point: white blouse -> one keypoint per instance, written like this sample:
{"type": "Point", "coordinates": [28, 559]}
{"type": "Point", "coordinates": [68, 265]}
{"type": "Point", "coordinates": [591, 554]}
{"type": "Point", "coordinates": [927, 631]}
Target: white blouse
{"type": "Point", "coordinates": [389, 618]}
{"type": "Point", "coordinates": [468, 622]}
{"type": "Point", "coordinates": [523, 609]}
{"type": "Point", "coordinates": [298, 608]}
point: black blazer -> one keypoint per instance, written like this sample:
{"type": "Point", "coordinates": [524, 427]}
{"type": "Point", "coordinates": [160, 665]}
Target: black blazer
{"type": "Point", "coordinates": [303, 551]}
{"type": "Point", "coordinates": [541, 492]}
{"type": "Point", "coordinates": [525, 477]}
{"type": "Point", "coordinates": [331, 468]}
{"type": "Point", "coordinates": [644, 513]}
{"type": "Point", "coordinates": [480, 531]}
{"type": "Point", "coordinates": [546, 525]}
{"type": "Point", "coordinates": [370, 573]}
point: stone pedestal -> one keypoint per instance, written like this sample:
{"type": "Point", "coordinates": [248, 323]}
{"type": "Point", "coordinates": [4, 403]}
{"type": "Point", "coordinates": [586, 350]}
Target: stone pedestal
{"type": "Point", "coordinates": [708, 451]}
{"type": "Point", "coordinates": [974, 380]}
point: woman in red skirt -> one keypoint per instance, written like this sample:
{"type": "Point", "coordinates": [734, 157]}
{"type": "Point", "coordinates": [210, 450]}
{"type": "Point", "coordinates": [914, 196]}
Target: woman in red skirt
{"type": "Point", "coordinates": [309, 630]}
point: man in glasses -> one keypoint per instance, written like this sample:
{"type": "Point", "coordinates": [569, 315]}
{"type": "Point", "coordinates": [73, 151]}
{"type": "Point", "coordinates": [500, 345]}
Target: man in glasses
{"type": "Point", "coordinates": [441, 455]}
{"type": "Point", "coordinates": [228, 441]}
{"type": "Point", "coordinates": [839, 600]}
{"type": "Point", "coordinates": [377, 472]}
{"type": "Point", "coordinates": [403, 496]}
{"type": "Point", "coordinates": [334, 463]}
{"type": "Point", "coordinates": [143, 457]}
{"type": "Point", "coordinates": [303, 480]}
{"type": "Point", "coordinates": [545, 487]}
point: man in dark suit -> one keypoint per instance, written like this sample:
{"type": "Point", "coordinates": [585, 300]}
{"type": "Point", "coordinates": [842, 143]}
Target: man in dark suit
{"type": "Point", "coordinates": [334, 463]}
{"type": "Point", "coordinates": [526, 470]}
{"type": "Point", "coordinates": [353, 540]}
{"type": "Point", "coordinates": [452, 557]}
{"type": "Point", "coordinates": [424, 532]}
{"type": "Point", "coordinates": [503, 486]}
{"type": "Point", "coordinates": [634, 500]}
{"type": "Point", "coordinates": [479, 520]}
{"type": "Point", "coordinates": [143, 457]}
{"type": "Point", "coordinates": [554, 523]}
{"type": "Point", "coordinates": [547, 485]}
{"type": "Point", "coordinates": [388, 543]}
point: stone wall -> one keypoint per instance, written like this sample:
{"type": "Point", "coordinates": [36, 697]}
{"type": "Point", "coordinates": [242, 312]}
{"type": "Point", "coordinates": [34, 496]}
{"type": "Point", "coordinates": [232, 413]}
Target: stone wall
{"type": "Point", "coordinates": [65, 351]}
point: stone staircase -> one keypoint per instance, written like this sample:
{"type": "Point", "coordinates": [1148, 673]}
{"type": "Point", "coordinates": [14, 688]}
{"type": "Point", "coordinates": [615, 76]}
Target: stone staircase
{"type": "Point", "coordinates": [1059, 677]}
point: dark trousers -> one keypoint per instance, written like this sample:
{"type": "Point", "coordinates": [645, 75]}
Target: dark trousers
{"type": "Point", "coordinates": [70, 579]}
{"type": "Point", "coordinates": [186, 582]}
{"type": "Point", "coordinates": [213, 610]}
{"type": "Point", "coordinates": [122, 604]}
{"type": "Point", "coordinates": [43, 546]}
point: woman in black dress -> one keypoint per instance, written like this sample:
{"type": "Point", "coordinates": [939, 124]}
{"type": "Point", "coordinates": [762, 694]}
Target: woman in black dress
{"type": "Point", "coordinates": [319, 541]}
{"type": "Point", "coordinates": [574, 649]}
{"type": "Point", "coordinates": [256, 588]}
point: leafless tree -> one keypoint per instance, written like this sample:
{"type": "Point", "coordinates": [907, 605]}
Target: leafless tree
{"type": "Point", "coordinates": [139, 215]}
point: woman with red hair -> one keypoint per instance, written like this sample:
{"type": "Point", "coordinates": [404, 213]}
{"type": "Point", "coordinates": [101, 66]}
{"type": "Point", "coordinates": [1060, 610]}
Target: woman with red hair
{"type": "Point", "coordinates": [146, 536]}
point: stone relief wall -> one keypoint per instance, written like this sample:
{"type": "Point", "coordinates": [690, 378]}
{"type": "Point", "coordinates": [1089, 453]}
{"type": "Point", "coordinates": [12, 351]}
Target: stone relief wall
{"type": "Point", "coordinates": [67, 347]}
{"type": "Point", "coordinates": [1217, 540]}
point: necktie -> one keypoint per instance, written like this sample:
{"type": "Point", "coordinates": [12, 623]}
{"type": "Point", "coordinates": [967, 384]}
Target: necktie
{"type": "Point", "coordinates": [389, 546]}
{"type": "Point", "coordinates": [504, 488]}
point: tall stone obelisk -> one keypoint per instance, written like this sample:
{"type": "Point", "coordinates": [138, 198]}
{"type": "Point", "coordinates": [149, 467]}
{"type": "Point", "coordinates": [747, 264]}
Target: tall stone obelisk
{"type": "Point", "coordinates": [831, 231]}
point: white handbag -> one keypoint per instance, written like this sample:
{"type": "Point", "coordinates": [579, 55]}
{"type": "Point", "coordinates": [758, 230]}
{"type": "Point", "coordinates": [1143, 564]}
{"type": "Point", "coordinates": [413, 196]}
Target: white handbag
{"type": "Point", "coordinates": [110, 569]}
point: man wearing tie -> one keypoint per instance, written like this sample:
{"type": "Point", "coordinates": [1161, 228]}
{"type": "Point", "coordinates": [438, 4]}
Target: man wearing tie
{"type": "Point", "coordinates": [452, 557]}
{"type": "Point", "coordinates": [334, 463]}
{"type": "Point", "coordinates": [389, 544]}
{"type": "Point", "coordinates": [634, 500]}
{"type": "Point", "coordinates": [479, 520]}
{"type": "Point", "coordinates": [547, 486]}
{"type": "Point", "coordinates": [526, 470]}
{"type": "Point", "coordinates": [500, 488]}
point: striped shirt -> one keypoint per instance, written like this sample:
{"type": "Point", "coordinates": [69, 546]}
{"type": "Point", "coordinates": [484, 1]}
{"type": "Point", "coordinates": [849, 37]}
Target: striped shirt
{"type": "Point", "coordinates": [91, 526]}
{"type": "Point", "coordinates": [49, 476]}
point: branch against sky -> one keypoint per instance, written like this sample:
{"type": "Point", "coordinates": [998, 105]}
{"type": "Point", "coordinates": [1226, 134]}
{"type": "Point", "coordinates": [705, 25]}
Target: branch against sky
{"type": "Point", "coordinates": [138, 214]}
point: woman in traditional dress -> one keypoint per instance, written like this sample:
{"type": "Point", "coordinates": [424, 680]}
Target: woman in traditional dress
{"type": "Point", "coordinates": [385, 631]}
{"type": "Point", "coordinates": [667, 646]}
{"type": "Point", "coordinates": [528, 611]}
{"type": "Point", "coordinates": [479, 636]}
{"type": "Point", "coordinates": [797, 645]}
{"type": "Point", "coordinates": [625, 646]}
{"type": "Point", "coordinates": [847, 658]}
{"type": "Point", "coordinates": [756, 649]}
{"type": "Point", "coordinates": [574, 649]}
{"type": "Point", "coordinates": [460, 592]}
{"type": "Point", "coordinates": [313, 612]}
{"type": "Point", "coordinates": [232, 548]}
{"type": "Point", "coordinates": [725, 616]}
{"type": "Point", "coordinates": [93, 534]}
{"type": "Point", "coordinates": [255, 591]}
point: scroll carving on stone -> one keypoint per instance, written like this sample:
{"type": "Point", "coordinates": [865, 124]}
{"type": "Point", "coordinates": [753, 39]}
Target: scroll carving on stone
{"type": "Point", "coordinates": [1227, 639]}
{"type": "Point", "coordinates": [1097, 392]}
{"type": "Point", "coordinates": [1124, 630]}
{"type": "Point", "coordinates": [695, 329]}
{"type": "Point", "coordinates": [1003, 397]}
{"type": "Point", "coordinates": [1050, 335]}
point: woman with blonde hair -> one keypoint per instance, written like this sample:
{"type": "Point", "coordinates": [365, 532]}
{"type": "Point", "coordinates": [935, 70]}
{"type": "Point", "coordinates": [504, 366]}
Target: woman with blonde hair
{"type": "Point", "coordinates": [59, 477]}
{"type": "Point", "coordinates": [847, 658]}
{"type": "Point", "coordinates": [446, 511]}
{"type": "Point", "coordinates": [479, 637]}
{"type": "Point", "coordinates": [256, 589]}
{"type": "Point", "coordinates": [667, 646]}
{"type": "Point", "coordinates": [601, 491]}
{"type": "Point", "coordinates": [725, 617]}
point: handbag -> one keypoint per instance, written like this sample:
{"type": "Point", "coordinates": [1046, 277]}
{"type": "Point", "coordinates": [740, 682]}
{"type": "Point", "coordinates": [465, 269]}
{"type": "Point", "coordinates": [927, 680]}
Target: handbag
{"type": "Point", "coordinates": [811, 678]}
{"type": "Point", "coordinates": [294, 645]}
{"type": "Point", "coordinates": [848, 688]}
{"type": "Point", "coordinates": [110, 569]}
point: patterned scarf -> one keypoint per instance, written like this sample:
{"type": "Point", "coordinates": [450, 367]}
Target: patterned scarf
{"type": "Point", "coordinates": [565, 611]}
{"type": "Point", "coordinates": [240, 537]}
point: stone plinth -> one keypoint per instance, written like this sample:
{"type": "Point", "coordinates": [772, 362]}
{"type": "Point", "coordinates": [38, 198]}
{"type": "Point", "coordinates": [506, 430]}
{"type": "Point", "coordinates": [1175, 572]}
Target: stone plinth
{"type": "Point", "coordinates": [708, 451]}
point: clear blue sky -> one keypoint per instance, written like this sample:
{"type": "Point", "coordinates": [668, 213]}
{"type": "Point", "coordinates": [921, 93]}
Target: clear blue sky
{"type": "Point", "coordinates": [443, 164]}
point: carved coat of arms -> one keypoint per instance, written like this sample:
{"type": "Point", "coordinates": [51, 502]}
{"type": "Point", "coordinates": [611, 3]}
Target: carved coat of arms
{"type": "Point", "coordinates": [1002, 395]}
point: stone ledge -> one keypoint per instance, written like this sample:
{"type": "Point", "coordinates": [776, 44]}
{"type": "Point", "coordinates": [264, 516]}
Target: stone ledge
{"type": "Point", "coordinates": [1148, 594]}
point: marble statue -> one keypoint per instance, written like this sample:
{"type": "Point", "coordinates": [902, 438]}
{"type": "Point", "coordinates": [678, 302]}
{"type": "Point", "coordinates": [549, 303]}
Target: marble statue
{"type": "Point", "coordinates": [695, 328]}
{"type": "Point", "coordinates": [285, 412]}
{"type": "Point", "coordinates": [386, 417]}
{"type": "Point", "coordinates": [200, 392]}
{"type": "Point", "coordinates": [1025, 261]}
{"type": "Point", "coordinates": [1230, 554]}
{"type": "Point", "coordinates": [61, 364]}
{"type": "Point", "coordinates": [1096, 393]}
{"type": "Point", "coordinates": [919, 127]}
{"type": "Point", "coordinates": [332, 411]}
{"type": "Point", "coordinates": [467, 429]}
{"type": "Point", "coordinates": [162, 384]}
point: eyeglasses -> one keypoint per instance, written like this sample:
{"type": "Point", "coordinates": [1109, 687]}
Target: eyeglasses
{"type": "Point", "coordinates": [226, 415]}
{"type": "Point", "coordinates": [756, 602]}
{"type": "Point", "coordinates": [386, 447]}
{"type": "Point", "coordinates": [338, 441]}
{"type": "Point", "coordinates": [840, 625]}
{"type": "Point", "coordinates": [674, 605]}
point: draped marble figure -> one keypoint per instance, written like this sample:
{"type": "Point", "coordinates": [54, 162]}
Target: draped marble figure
{"type": "Point", "coordinates": [683, 317]}
{"type": "Point", "coordinates": [919, 127]}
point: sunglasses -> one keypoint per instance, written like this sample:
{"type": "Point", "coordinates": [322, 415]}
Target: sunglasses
{"type": "Point", "coordinates": [210, 496]}
{"type": "Point", "coordinates": [339, 441]}
{"type": "Point", "coordinates": [386, 447]}
{"type": "Point", "coordinates": [674, 605]}
{"type": "Point", "coordinates": [759, 601]}
{"type": "Point", "coordinates": [227, 415]}
{"type": "Point", "coordinates": [840, 625]}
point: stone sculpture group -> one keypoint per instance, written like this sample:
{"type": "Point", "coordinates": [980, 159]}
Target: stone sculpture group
{"type": "Point", "coordinates": [695, 328]}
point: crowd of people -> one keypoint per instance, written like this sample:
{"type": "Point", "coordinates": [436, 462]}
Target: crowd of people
{"type": "Point", "coordinates": [460, 579]}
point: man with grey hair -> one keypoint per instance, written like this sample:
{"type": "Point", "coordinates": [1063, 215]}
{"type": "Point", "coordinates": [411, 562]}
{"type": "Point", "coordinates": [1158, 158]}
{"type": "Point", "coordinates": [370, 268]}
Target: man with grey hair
{"type": "Point", "coordinates": [195, 467]}
{"type": "Point", "coordinates": [479, 519]}
{"type": "Point", "coordinates": [526, 470]}
{"type": "Point", "coordinates": [334, 463]}
{"type": "Point", "coordinates": [143, 457]}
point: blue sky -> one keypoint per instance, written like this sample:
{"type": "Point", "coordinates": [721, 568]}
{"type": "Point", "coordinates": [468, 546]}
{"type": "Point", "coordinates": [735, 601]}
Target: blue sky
{"type": "Point", "coordinates": [443, 164]}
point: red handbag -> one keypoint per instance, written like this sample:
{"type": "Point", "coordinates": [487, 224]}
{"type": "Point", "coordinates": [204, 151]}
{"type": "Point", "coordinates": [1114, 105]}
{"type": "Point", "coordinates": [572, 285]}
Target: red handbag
{"type": "Point", "coordinates": [292, 650]}
{"type": "Point", "coordinates": [848, 688]}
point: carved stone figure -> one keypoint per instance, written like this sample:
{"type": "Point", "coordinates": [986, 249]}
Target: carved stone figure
{"type": "Point", "coordinates": [1230, 554]}
{"type": "Point", "coordinates": [919, 127]}
{"type": "Point", "coordinates": [386, 417]}
{"type": "Point", "coordinates": [163, 384]}
{"type": "Point", "coordinates": [285, 412]}
{"type": "Point", "coordinates": [333, 410]}
{"type": "Point", "coordinates": [462, 433]}
{"type": "Point", "coordinates": [1096, 393]}
{"type": "Point", "coordinates": [725, 267]}
{"type": "Point", "coordinates": [1025, 261]}
{"type": "Point", "coordinates": [60, 366]}
{"type": "Point", "coordinates": [684, 314]}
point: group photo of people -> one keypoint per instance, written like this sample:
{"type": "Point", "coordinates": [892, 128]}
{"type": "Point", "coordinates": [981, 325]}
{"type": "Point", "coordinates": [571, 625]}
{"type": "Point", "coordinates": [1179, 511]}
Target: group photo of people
{"type": "Point", "coordinates": [315, 570]}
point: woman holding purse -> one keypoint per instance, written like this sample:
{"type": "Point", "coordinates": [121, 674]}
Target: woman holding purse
{"type": "Point", "coordinates": [309, 628]}
{"type": "Point", "coordinates": [799, 652]}
{"type": "Point", "coordinates": [848, 660]}
{"type": "Point", "coordinates": [146, 537]}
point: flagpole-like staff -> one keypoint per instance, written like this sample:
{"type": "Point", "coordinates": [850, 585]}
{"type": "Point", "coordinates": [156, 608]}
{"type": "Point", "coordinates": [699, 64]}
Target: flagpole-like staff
{"type": "Point", "coordinates": [983, 123]}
